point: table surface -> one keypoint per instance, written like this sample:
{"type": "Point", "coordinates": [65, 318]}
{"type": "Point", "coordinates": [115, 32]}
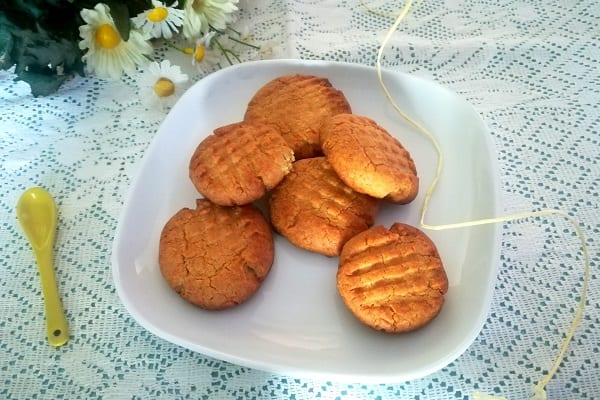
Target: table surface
{"type": "Point", "coordinates": [530, 68]}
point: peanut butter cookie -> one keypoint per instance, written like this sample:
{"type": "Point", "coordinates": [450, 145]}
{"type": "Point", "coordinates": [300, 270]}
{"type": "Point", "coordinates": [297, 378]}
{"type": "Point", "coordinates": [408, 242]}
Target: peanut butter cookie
{"type": "Point", "coordinates": [316, 211]}
{"type": "Point", "coordinates": [368, 159]}
{"type": "Point", "coordinates": [297, 105]}
{"type": "Point", "coordinates": [216, 257]}
{"type": "Point", "coordinates": [240, 163]}
{"type": "Point", "coordinates": [392, 280]}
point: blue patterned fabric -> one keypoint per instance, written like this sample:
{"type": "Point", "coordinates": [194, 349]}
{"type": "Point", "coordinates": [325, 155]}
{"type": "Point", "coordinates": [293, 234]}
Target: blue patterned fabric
{"type": "Point", "coordinates": [530, 68]}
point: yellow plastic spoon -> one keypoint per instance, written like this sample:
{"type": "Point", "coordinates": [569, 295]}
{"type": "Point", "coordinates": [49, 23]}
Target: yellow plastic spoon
{"type": "Point", "coordinates": [36, 212]}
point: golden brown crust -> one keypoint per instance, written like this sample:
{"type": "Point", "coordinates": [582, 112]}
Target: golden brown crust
{"type": "Point", "coordinates": [228, 128]}
{"type": "Point", "coordinates": [368, 159]}
{"type": "Point", "coordinates": [240, 163]}
{"type": "Point", "coordinates": [216, 257]}
{"type": "Point", "coordinates": [392, 280]}
{"type": "Point", "coordinates": [297, 105]}
{"type": "Point", "coordinates": [316, 211]}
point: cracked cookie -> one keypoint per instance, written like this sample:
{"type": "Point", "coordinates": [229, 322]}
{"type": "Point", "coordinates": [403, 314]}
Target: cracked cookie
{"type": "Point", "coordinates": [316, 211]}
{"type": "Point", "coordinates": [239, 163]}
{"type": "Point", "coordinates": [297, 105]}
{"type": "Point", "coordinates": [368, 159]}
{"type": "Point", "coordinates": [216, 257]}
{"type": "Point", "coordinates": [392, 280]}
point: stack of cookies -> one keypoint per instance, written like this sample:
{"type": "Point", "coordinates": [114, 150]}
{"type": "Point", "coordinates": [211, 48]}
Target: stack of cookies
{"type": "Point", "coordinates": [323, 171]}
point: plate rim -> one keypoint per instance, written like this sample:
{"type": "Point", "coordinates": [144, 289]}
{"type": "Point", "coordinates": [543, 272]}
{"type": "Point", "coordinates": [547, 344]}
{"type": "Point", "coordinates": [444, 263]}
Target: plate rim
{"type": "Point", "coordinates": [289, 369]}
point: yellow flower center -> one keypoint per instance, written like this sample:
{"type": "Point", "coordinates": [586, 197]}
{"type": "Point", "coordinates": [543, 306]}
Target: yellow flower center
{"type": "Point", "coordinates": [200, 51]}
{"type": "Point", "coordinates": [164, 87]}
{"type": "Point", "coordinates": [158, 14]}
{"type": "Point", "coordinates": [188, 50]}
{"type": "Point", "coordinates": [107, 36]}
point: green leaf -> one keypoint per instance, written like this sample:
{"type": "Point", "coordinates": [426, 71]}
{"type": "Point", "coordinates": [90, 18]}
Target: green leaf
{"type": "Point", "coordinates": [36, 55]}
{"type": "Point", "coordinates": [6, 45]}
{"type": "Point", "coordinates": [42, 84]}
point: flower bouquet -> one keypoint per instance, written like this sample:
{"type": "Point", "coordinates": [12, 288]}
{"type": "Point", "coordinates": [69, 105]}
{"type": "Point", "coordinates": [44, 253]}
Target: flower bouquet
{"type": "Point", "coordinates": [46, 42]}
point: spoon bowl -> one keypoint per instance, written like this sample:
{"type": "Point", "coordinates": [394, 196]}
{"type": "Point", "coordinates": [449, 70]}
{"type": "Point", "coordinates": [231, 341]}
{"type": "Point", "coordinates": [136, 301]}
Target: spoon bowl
{"type": "Point", "coordinates": [36, 212]}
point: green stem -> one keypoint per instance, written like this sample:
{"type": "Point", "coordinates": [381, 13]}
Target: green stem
{"type": "Point", "coordinates": [224, 51]}
{"type": "Point", "coordinates": [234, 31]}
{"type": "Point", "coordinates": [244, 43]}
{"type": "Point", "coordinates": [220, 32]}
{"type": "Point", "coordinates": [234, 54]}
{"type": "Point", "coordinates": [171, 45]}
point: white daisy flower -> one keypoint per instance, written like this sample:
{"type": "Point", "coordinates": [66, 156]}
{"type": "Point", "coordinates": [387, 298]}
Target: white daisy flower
{"type": "Point", "coordinates": [108, 55]}
{"type": "Point", "coordinates": [161, 84]}
{"type": "Point", "coordinates": [159, 21]}
{"type": "Point", "coordinates": [201, 14]}
{"type": "Point", "coordinates": [204, 56]}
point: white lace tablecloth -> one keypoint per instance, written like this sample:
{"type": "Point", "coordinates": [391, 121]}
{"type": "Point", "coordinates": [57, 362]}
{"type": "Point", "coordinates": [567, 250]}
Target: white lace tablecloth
{"type": "Point", "coordinates": [530, 68]}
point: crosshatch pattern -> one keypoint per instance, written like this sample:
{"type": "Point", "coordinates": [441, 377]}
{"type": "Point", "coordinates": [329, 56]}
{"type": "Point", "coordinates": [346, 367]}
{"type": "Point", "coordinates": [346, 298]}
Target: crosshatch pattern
{"type": "Point", "coordinates": [529, 67]}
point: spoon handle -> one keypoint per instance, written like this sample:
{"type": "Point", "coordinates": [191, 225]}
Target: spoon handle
{"type": "Point", "coordinates": [57, 328]}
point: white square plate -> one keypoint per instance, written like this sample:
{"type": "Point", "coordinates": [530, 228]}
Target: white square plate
{"type": "Point", "coordinates": [296, 323]}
